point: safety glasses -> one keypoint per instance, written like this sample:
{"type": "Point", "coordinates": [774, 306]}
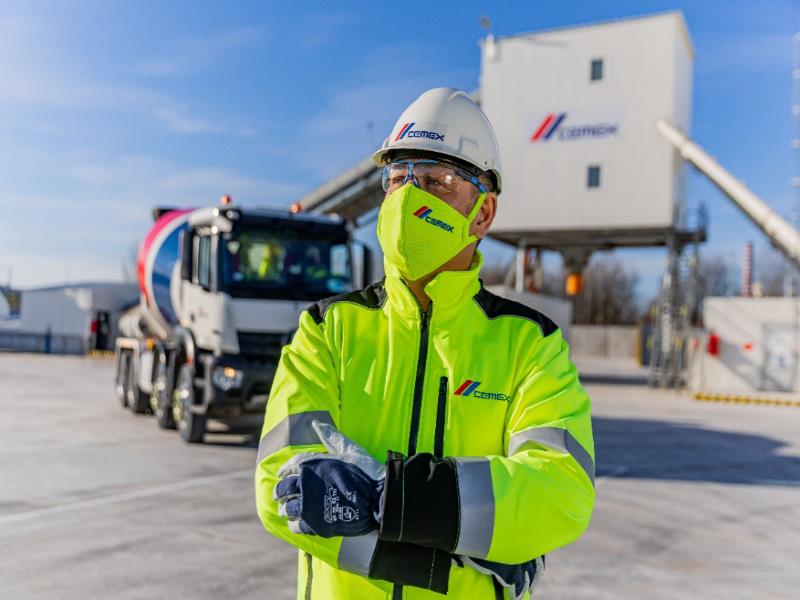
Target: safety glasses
{"type": "Point", "coordinates": [437, 178]}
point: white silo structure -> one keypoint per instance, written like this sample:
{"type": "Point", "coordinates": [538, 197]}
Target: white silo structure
{"type": "Point", "coordinates": [575, 111]}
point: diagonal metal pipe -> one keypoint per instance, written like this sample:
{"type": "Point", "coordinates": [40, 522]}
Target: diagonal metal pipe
{"type": "Point", "coordinates": [779, 231]}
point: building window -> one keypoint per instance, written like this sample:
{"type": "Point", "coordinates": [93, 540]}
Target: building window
{"type": "Point", "coordinates": [593, 176]}
{"type": "Point", "coordinates": [596, 70]}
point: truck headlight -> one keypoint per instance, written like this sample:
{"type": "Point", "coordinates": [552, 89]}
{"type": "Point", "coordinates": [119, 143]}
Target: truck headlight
{"type": "Point", "coordinates": [226, 378]}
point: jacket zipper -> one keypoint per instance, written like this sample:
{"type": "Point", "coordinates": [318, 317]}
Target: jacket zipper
{"type": "Point", "coordinates": [441, 414]}
{"type": "Point", "coordinates": [416, 407]}
{"type": "Point", "coordinates": [309, 575]}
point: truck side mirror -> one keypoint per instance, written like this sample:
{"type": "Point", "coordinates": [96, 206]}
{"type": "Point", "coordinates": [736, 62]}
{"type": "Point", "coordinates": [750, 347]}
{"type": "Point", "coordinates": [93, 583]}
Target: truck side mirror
{"type": "Point", "coordinates": [366, 267]}
{"type": "Point", "coordinates": [361, 258]}
{"type": "Point", "coordinates": [186, 255]}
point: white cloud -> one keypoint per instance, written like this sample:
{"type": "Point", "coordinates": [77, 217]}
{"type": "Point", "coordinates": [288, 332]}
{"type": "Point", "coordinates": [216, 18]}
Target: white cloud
{"type": "Point", "coordinates": [358, 113]}
{"type": "Point", "coordinates": [197, 54]}
{"type": "Point", "coordinates": [35, 271]}
{"type": "Point", "coordinates": [317, 31]}
{"type": "Point", "coordinates": [180, 121]}
{"type": "Point", "coordinates": [136, 178]}
{"type": "Point", "coordinates": [86, 231]}
{"type": "Point", "coordinates": [356, 119]}
{"type": "Point", "coordinates": [37, 73]}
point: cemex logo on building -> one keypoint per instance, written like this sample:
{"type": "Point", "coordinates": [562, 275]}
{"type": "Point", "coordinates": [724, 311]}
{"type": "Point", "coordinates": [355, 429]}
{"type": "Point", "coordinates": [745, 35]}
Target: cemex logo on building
{"type": "Point", "coordinates": [408, 131]}
{"type": "Point", "coordinates": [471, 387]}
{"type": "Point", "coordinates": [553, 126]}
{"type": "Point", "coordinates": [424, 213]}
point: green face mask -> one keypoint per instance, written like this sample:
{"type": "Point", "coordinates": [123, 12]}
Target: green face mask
{"type": "Point", "coordinates": [418, 232]}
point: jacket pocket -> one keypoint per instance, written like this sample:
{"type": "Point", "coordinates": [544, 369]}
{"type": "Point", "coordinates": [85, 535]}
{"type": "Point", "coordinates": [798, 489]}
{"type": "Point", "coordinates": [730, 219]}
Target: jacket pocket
{"type": "Point", "coordinates": [475, 425]}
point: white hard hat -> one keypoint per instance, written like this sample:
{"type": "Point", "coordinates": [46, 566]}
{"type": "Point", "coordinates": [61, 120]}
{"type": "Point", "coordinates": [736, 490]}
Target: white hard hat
{"type": "Point", "coordinates": [447, 122]}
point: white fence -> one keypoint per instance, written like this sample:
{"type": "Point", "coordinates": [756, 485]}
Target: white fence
{"type": "Point", "coordinates": [23, 341]}
{"type": "Point", "coordinates": [611, 341]}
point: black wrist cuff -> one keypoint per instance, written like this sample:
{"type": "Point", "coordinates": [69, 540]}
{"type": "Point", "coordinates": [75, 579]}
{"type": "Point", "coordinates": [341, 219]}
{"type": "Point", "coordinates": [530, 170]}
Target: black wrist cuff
{"type": "Point", "coordinates": [407, 564]}
{"type": "Point", "coordinates": [420, 502]}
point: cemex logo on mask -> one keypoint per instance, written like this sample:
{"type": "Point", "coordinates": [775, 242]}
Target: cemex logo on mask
{"type": "Point", "coordinates": [408, 131]}
{"type": "Point", "coordinates": [424, 213]}
{"type": "Point", "coordinates": [471, 387]}
{"type": "Point", "coordinates": [553, 126]}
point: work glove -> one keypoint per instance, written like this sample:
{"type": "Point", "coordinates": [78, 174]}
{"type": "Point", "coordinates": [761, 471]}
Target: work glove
{"type": "Point", "coordinates": [517, 579]}
{"type": "Point", "coordinates": [333, 493]}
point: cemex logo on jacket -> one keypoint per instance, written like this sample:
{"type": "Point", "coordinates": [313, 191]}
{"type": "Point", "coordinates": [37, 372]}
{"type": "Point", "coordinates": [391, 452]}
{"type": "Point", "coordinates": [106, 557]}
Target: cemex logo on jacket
{"type": "Point", "coordinates": [471, 387]}
{"type": "Point", "coordinates": [424, 213]}
{"type": "Point", "coordinates": [408, 131]}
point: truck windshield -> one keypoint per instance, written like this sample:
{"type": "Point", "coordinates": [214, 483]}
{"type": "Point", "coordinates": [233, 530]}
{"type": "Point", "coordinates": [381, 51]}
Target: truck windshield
{"type": "Point", "coordinates": [285, 264]}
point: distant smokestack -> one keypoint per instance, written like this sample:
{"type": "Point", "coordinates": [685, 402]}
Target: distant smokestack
{"type": "Point", "coordinates": [747, 270]}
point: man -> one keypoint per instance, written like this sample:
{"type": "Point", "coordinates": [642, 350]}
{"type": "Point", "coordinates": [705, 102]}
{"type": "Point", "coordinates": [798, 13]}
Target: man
{"type": "Point", "coordinates": [424, 436]}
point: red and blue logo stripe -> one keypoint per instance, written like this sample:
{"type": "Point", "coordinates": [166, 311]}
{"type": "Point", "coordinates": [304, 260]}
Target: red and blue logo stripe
{"type": "Point", "coordinates": [466, 388]}
{"type": "Point", "coordinates": [423, 212]}
{"type": "Point", "coordinates": [548, 127]}
{"type": "Point", "coordinates": [404, 130]}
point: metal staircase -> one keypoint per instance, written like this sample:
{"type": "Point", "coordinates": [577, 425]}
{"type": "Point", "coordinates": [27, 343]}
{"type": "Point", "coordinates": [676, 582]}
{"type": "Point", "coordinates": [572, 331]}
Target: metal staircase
{"type": "Point", "coordinates": [676, 305]}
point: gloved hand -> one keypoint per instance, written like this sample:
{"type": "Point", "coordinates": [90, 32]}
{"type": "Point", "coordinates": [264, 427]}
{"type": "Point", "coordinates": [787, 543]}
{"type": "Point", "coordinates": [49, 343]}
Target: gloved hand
{"type": "Point", "coordinates": [517, 579]}
{"type": "Point", "coordinates": [333, 493]}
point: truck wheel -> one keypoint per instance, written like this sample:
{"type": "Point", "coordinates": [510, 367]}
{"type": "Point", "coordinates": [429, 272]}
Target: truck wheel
{"type": "Point", "coordinates": [191, 426]}
{"type": "Point", "coordinates": [159, 398]}
{"type": "Point", "coordinates": [137, 401]}
{"type": "Point", "coordinates": [122, 379]}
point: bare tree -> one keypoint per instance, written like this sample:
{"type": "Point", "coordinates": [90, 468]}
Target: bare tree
{"type": "Point", "coordinates": [495, 273]}
{"type": "Point", "coordinates": [716, 276]}
{"type": "Point", "coordinates": [774, 271]}
{"type": "Point", "coordinates": [608, 296]}
{"type": "Point", "coordinates": [129, 263]}
{"type": "Point", "coordinates": [553, 282]}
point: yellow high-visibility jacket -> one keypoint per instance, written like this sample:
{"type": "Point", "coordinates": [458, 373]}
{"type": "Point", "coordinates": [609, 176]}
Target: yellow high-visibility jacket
{"type": "Point", "coordinates": [477, 393]}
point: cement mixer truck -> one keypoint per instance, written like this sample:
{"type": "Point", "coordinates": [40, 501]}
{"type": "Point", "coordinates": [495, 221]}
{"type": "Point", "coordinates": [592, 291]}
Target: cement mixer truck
{"type": "Point", "coordinates": [221, 290]}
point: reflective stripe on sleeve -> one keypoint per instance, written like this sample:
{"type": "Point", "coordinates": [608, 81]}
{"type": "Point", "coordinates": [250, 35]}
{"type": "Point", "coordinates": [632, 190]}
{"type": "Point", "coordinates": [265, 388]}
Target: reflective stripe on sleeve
{"type": "Point", "coordinates": [555, 438]}
{"type": "Point", "coordinates": [294, 430]}
{"type": "Point", "coordinates": [476, 503]}
{"type": "Point", "coordinates": [355, 553]}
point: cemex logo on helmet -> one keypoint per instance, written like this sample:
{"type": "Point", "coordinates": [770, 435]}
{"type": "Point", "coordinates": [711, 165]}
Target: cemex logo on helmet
{"type": "Point", "coordinates": [554, 125]}
{"type": "Point", "coordinates": [471, 387]}
{"type": "Point", "coordinates": [424, 213]}
{"type": "Point", "coordinates": [425, 130]}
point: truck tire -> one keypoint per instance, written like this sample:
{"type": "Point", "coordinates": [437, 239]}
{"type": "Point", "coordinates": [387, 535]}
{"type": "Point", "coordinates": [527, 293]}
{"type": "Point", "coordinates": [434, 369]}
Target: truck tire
{"type": "Point", "coordinates": [160, 396]}
{"type": "Point", "coordinates": [191, 426]}
{"type": "Point", "coordinates": [121, 386]}
{"type": "Point", "coordinates": [137, 401]}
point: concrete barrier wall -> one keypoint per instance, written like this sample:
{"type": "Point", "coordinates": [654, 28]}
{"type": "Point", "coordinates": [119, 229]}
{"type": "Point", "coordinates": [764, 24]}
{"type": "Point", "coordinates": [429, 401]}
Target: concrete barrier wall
{"type": "Point", "coordinates": [758, 340]}
{"type": "Point", "coordinates": [613, 341]}
{"type": "Point", "coordinates": [23, 341]}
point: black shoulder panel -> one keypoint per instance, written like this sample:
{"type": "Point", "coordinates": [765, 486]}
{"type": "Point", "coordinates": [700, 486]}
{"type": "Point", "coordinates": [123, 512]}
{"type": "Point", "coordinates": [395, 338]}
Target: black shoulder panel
{"type": "Point", "coordinates": [371, 297]}
{"type": "Point", "coordinates": [495, 306]}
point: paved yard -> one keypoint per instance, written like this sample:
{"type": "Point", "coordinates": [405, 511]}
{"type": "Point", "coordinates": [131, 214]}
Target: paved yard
{"type": "Point", "coordinates": [695, 500]}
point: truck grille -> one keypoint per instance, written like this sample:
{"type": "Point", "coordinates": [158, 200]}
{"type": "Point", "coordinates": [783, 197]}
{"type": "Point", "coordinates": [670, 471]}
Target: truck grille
{"type": "Point", "coordinates": [260, 346]}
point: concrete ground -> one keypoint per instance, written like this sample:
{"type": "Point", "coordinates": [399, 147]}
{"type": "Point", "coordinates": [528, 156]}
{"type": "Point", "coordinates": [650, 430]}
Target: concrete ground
{"type": "Point", "coordinates": [695, 500]}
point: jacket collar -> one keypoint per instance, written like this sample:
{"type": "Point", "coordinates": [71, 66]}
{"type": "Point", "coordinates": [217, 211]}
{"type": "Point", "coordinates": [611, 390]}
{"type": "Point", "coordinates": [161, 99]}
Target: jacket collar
{"type": "Point", "coordinates": [448, 291]}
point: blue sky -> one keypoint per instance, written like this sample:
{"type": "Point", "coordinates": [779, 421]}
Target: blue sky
{"type": "Point", "coordinates": [110, 108]}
